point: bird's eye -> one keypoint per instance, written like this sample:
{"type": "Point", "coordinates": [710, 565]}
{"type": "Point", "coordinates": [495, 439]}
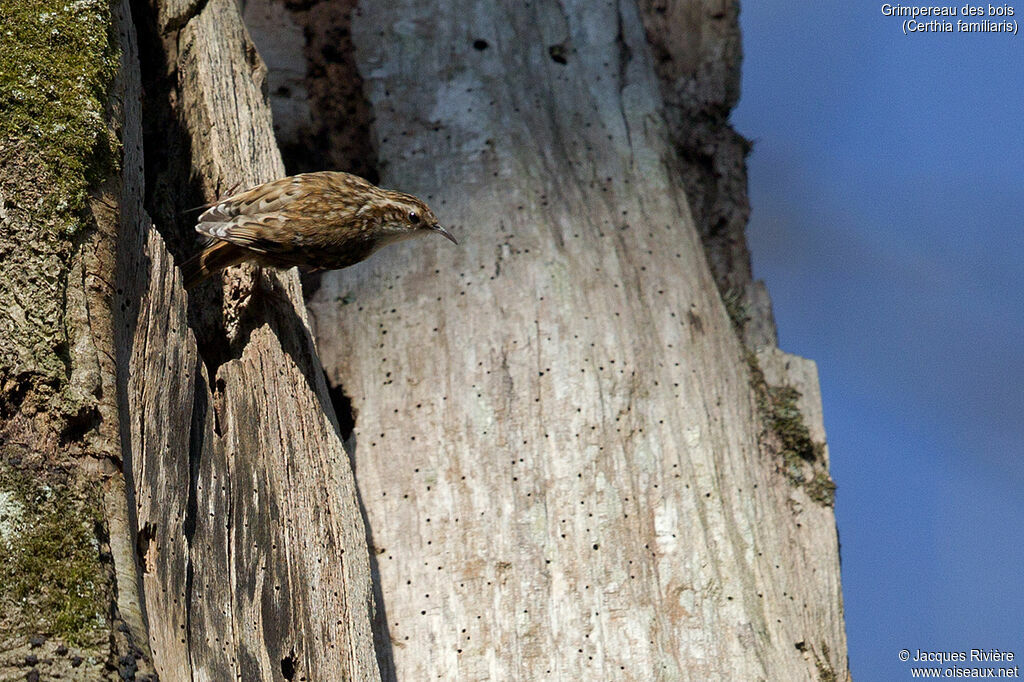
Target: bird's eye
{"type": "Point", "coordinates": [414, 217]}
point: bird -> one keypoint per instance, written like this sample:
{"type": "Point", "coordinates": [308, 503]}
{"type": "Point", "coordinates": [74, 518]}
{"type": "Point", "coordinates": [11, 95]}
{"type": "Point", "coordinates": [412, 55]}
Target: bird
{"type": "Point", "coordinates": [326, 220]}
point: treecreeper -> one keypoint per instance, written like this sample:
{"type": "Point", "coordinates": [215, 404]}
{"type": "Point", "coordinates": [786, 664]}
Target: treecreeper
{"type": "Point", "coordinates": [317, 221]}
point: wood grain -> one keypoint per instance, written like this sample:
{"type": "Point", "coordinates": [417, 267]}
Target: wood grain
{"type": "Point", "coordinates": [556, 436]}
{"type": "Point", "coordinates": [252, 547]}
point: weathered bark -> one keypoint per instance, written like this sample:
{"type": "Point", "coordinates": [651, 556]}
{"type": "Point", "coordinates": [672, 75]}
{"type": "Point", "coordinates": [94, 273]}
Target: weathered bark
{"type": "Point", "coordinates": [69, 606]}
{"type": "Point", "coordinates": [250, 537]}
{"type": "Point", "coordinates": [232, 543]}
{"type": "Point", "coordinates": [696, 50]}
{"type": "Point", "coordinates": [571, 465]}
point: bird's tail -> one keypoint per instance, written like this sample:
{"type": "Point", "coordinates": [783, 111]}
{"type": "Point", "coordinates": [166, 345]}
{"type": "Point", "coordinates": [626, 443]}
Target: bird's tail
{"type": "Point", "coordinates": [210, 261]}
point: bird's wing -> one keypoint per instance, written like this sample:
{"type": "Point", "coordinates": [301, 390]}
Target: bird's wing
{"type": "Point", "coordinates": [254, 219]}
{"type": "Point", "coordinates": [285, 215]}
{"type": "Point", "coordinates": [264, 233]}
{"type": "Point", "coordinates": [265, 198]}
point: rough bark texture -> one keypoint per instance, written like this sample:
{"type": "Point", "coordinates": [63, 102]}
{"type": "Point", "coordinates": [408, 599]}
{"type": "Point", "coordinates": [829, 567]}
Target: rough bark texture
{"type": "Point", "coordinates": [69, 606]}
{"type": "Point", "coordinates": [597, 478]}
{"type": "Point", "coordinates": [570, 464]}
{"type": "Point", "coordinates": [250, 538]}
{"type": "Point", "coordinates": [230, 544]}
{"type": "Point", "coordinates": [697, 50]}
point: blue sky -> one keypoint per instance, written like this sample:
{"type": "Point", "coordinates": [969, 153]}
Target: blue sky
{"type": "Point", "coordinates": [887, 184]}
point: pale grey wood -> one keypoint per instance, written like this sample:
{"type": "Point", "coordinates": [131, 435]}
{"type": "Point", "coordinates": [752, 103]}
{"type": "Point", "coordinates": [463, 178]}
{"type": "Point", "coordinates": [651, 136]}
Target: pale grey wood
{"type": "Point", "coordinates": [697, 50]}
{"type": "Point", "coordinates": [281, 44]}
{"type": "Point", "coordinates": [557, 441]}
{"type": "Point", "coordinates": [160, 365]}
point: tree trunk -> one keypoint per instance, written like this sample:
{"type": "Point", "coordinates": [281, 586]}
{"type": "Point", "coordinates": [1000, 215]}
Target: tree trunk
{"type": "Point", "coordinates": [578, 451]}
{"type": "Point", "coordinates": [236, 547]}
{"type": "Point", "coordinates": [253, 546]}
{"type": "Point", "coordinates": [571, 465]}
{"type": "Point", "coordinates": [69, 604]}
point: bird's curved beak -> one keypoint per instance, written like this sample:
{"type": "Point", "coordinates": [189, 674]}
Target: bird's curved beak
{"type": "Point", "coordinates": [445, 233]}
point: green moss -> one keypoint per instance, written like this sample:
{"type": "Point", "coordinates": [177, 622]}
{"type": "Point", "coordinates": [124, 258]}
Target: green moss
{"type": "Point", "coordinates": [821, 489]}
{"type": "Point", "coordinates": [736, 308]}
{"type": "Point", "coordinates": [826, 673]}
{"type": "Point", "coordinates": [787, 422]}
{"type": "Point", "coordinates": [57, 59]}
{"type": "Point", "coordinates": [57, 62]}
{"type": "Point", "coordinates": [51, 578]}
{"type": "Point", "coordinates": [780, 411]}
{"type": "Point", "coordinates": [787, 434]}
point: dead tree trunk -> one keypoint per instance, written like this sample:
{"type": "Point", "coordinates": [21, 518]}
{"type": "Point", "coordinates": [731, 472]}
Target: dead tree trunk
{"type": "Point", "coordinates": [252, 546]}
{"type": "Point", "coordinates": [572, 466]}
{"type": "Point", "coordinates": [577, 455]}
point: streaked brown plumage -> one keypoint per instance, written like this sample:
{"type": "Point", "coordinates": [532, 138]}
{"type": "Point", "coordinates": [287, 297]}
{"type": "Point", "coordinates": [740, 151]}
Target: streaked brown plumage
{"type": "Point", "coordinates": [316, 221]}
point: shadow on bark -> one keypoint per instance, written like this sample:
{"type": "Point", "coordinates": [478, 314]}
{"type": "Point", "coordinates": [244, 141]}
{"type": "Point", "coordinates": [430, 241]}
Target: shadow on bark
{"type": "Point", "coordinates": [172, 190]}
{"type": "Point", "coordinates": [381, 633]}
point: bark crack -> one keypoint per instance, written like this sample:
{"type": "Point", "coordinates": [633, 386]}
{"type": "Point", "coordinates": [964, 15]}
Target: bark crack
{"type": "Point", "coordinates": [625, 55]}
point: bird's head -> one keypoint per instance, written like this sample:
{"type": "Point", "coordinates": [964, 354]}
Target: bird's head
{"type": "Point", "coordinates": [403, 216]}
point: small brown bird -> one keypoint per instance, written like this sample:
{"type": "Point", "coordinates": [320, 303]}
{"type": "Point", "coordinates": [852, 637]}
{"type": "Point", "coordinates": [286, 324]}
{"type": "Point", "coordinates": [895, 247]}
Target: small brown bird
{"type": "Point", "coordinates": [316, 221]}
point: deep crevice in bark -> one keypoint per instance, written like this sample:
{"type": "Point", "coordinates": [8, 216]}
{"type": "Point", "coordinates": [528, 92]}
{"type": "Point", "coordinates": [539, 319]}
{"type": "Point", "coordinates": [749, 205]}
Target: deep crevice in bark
{"type": "Point", "coordinates": [288, 666]}
{"type": "Point", "coordinates": [173, 190]}
{"type": "Point", "coordinates": [343, 409]}
{"type": "Point", "coordinates": [338, 136]}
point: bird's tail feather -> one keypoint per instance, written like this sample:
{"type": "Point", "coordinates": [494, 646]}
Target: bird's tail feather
{"type": "Point", "coordinates": [210, 261]}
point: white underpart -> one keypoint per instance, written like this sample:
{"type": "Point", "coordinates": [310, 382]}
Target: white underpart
{"type": "Point", "coordinates": [395, 233]}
